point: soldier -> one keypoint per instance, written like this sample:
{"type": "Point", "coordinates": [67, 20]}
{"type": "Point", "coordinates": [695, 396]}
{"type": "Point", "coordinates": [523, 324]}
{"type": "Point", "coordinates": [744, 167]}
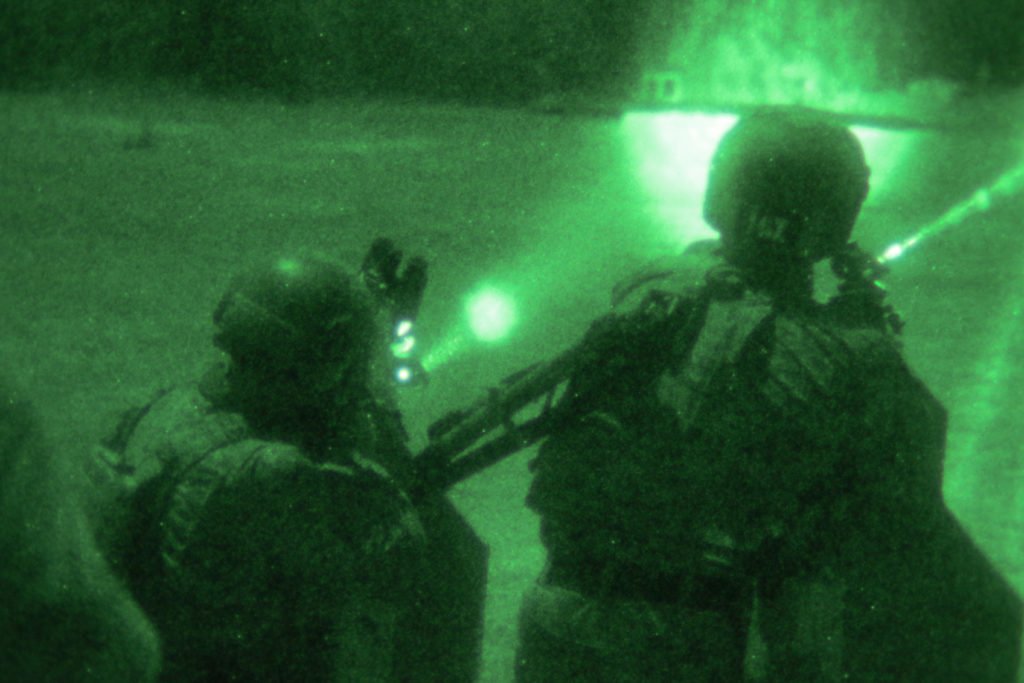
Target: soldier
{"type": "Point", "coordinates": [262, 520]}
{"type": "Point", "coordinates": [754, 446]}
{"type": "Point", "coordinates": [63, 616]}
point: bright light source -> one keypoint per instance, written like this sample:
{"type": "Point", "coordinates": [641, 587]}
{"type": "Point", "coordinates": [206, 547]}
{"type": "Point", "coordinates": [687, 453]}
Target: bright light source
{"type": "Point", "coordinates": [893, 252]}
{"type": "Point", "coordinates": [1007, 185]}
{"type": "Point", "coordinates": [403, 328]}
{"type": "Point", "coordinates": [403, 374]}
{"type": "Point", "coordinates": [887, 152]}
{"type": "Point", "coordinates": [403, 347]}
{"type": "Point", "coordinates": [671, 152]}
{"type": "Point", "coordinates": [491, 314]}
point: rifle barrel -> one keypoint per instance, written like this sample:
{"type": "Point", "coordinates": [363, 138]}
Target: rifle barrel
{"type": "Point", "coordinates": [494, 410]}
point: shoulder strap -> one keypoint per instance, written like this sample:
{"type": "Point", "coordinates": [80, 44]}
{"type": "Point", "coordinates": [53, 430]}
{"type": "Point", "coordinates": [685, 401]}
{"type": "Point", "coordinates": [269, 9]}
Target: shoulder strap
{"type": "Point", "coordinates": [712, 346]}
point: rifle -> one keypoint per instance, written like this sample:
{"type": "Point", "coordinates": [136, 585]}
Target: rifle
{"type": "Point", "coordinates": [617, 352]}
{"type": "Point", "coordinates": [451, 457]}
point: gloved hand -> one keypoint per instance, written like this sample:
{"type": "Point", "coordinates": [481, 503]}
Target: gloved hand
{"type": "Point", "coordinates": [400, 293]}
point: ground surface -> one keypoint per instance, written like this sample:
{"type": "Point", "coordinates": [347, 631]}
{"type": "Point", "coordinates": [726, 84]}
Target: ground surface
{"type": "Point", "coordinates": [113, 252]}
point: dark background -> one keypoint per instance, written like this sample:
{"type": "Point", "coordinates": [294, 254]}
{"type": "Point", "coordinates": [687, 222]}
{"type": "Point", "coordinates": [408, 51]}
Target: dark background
{"type": "Point", "coordinates": [497, 51]}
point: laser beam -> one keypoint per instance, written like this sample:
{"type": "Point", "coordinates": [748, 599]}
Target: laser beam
{"type": "Point", "coordinates": [1008, 184]}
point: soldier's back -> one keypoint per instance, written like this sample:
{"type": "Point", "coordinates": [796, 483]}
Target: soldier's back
{"type": "Point", "coordinates": [876, 580]}
{"type": "Point", "coordinates": [255, 562]}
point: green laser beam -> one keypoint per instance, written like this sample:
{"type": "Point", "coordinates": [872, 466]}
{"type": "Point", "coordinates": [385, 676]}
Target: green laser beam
{"type": "Point", "coordinates": [963, 488]}
{"type": "Point", "coordinates": [1008, 184]}
{"type": "Point", "coordinates": [490, 315]}
{"type": "Point", "coordinates": [444, 351]}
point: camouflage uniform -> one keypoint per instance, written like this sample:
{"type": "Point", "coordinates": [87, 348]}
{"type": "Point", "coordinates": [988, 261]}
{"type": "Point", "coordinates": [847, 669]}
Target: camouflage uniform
{"type": "Point", "coordinates": [636, 588]}
{"type": "Point", "coordinates": [261, 531]}
{"type": "Point", "coordinates": [757, 495]}
{"type": "Point", "coordinates": [255, 562]}
{"type": "Point", "coordinates": [811, 444]}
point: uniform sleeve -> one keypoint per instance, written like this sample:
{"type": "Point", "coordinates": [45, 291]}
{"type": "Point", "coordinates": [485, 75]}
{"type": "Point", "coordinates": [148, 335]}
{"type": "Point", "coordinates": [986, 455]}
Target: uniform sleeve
{"type": "Point", "coordinates": [293, 567]}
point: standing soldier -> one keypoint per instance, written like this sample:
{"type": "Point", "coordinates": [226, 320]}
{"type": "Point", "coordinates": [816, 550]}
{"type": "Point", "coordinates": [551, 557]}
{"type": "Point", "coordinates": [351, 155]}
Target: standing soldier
{"type": "Point", "coordinates": [741, 444]}
{"type": "Point", "coordinates": [263, 522]}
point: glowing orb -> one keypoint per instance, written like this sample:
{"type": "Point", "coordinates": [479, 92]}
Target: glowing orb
{"type": "Point", "coordinates": [403, 328]}
{"type": "Point", "coordinates": [288, 266]}
{"type": "Point", "coordinates": [491, 314]}
{"type": "Point", "coordinates": [893, 252]}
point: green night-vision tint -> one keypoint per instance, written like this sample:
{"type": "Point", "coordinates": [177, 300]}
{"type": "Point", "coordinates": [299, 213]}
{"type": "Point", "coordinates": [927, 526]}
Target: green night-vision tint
{"type": "Point", "coordinates": [1010, 183]}
{"type": "Point", "coordinates": [492, 313]}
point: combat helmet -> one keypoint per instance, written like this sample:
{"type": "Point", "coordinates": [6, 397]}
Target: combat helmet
{"type": "Point", "coordinates": [786, 184]}
{"type": "Point", "coordinates": [304, 316]}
